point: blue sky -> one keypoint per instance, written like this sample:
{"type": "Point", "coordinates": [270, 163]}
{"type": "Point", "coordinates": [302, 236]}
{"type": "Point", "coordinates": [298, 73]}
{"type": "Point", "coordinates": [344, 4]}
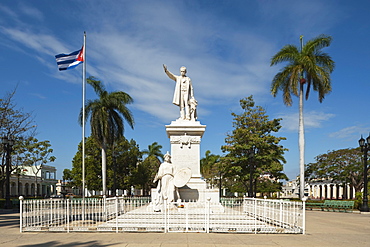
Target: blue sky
{"type": "Point", "coordinates": [225, 45]}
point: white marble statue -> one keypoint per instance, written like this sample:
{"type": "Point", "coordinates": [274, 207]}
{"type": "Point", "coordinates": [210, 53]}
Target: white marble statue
{"type": "Point", "coordinates": [184, 94]}
{"type": "Point", "coordinates": [166, 189]}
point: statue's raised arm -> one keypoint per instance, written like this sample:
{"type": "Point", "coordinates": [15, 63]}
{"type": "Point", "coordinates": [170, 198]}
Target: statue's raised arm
{"type": "Point", "coordinates": [169, 74]}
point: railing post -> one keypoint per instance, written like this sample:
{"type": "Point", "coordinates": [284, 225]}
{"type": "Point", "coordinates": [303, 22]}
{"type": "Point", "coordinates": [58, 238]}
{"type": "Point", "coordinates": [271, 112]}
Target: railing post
{"type": "Point", "coordinates": [21, 213]}
{"type": "Point", "coordinates": [116, 214]}
{"type": "Point", "coordinates": [208, 205]}
{"type": "Point", "coordinates": [304, 215]}
{"type": "Point", "coordinates": [68, 214]}
{"type": "Point", "coordinates": [51, 212]}
{"type": "Point", "coordinates": [165, 215]}
{"type": "Point", "coordinates": [264, 208]}
{"type": "Point", "coordinates": [105, 208]}
{"type": "Point", "coordinates": [187, 218]}
{"type": "Point", "coordinates": [281, 213]}
{"type": "Point", "coordinates": [255, 214]}
{"type": "Point", "coordinates": [83, 207]}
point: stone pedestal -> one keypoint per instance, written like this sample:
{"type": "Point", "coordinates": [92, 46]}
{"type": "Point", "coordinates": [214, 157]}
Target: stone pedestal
{"type": "Point", "coordinates": [185, 137]}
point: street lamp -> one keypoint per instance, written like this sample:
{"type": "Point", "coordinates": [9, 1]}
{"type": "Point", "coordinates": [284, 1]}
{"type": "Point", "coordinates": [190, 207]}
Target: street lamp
{"type": "Point", "coordinates": [365, 147]}
{"type": "Point", "coordinates": [8, 148]}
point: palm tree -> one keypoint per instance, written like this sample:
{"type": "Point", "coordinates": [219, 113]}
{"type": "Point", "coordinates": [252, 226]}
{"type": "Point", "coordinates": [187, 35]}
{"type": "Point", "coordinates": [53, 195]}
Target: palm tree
{"type": "Point", "coordinates": [151, 163]}
{"type": "Point", "coordinates": [108, 113]}
{"type": "Point", "coordinates": [306, 66]}
{"type": "Point", "coordinates": [154, 149]}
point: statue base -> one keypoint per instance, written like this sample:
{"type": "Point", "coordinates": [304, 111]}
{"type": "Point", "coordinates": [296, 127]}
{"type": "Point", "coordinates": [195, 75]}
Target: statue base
{"type": "Point", "coordinates": [185, 137]}
{"type": "Point", "coordinates": [196, 197]}
{"type": "Point", "coordinates": [195, 190]}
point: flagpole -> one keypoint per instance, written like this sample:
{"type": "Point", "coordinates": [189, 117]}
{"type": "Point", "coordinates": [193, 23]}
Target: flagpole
{"type": "Point", "coordinates": [83, 116]}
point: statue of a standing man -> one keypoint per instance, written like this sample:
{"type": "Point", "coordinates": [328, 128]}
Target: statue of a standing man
{"type": "Point", "coordinates": [183, 92]}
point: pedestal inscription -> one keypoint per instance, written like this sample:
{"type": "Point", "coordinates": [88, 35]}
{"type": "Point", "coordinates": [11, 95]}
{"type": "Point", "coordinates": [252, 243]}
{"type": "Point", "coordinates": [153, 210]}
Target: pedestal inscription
{"type": "Point", "coordinates": [185, 138]}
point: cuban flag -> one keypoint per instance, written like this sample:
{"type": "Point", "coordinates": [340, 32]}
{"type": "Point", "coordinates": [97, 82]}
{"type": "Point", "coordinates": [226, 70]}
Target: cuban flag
{"type": "Point", "coordinates": [69, 61]}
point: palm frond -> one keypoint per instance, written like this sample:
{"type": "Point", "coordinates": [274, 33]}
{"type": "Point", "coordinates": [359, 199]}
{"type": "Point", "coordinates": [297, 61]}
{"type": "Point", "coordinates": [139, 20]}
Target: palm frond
{"type": "Point", "coordinates": [107, 113]}
{"type": "Point", "coordinates": [97, 85]}
{"type": "Point", "coordinates": [288, 53]}
{"type": "Point", "coordinates": [310, 63]}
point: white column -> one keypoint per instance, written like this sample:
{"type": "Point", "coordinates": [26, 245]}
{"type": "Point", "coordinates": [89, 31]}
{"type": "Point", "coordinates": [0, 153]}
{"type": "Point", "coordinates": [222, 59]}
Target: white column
{"type": "Point", "coordinates": [314, 195]}
{"type": "Point", "coordinates": [348, 191]}
{"type": "Point", "coordinates": [335, 191]}
{"type": "Point", "coordinates": [317, 191]}
{"type": "Point", "coordinates": [340, 192]}
{"type": "Point", "coordinates": [353, 191]}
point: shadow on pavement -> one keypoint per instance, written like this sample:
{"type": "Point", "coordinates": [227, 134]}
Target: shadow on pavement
{"type": "Point", "coordinates": [9, 220]}
{"type": "Point", "coordinates": [57, 243]}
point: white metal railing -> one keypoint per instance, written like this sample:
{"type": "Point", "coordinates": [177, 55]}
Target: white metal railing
{"type": "Point", "coordinates": [286, 216]}
{"type": "Point", "coordinates": [136, 214]}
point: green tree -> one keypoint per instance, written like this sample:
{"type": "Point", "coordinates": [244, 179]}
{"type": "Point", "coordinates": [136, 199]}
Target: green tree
{"type": "Point", "coordinates": [126, 155]}
{"type": "Point", "coordinates": [154, 149]}
{"type": "Point", "coordinates": [341, 166]}
{"type": "Point", "coordinates": [67, 175]}
{"type": "Point", "coordinates": [144, 174]}
{"type": "Point", "coordinates": [107, 115]}
{"type": "Point", "coordinates": [268, 186]}
{"type": "Point", "coordinates": [209, 168]}
{"type": "Point", "coordinates": [147, 169]}
{"type": "Point", "coordinates": [92, 166]}
{"type": "Point", "coordinates": [67, 179]}
{"type": "Point", "coordinates": [36, 154]}
{"type": "Point", "coordinates": [306, 66]}
{"type": "Point", "coordinates": [252, 149]}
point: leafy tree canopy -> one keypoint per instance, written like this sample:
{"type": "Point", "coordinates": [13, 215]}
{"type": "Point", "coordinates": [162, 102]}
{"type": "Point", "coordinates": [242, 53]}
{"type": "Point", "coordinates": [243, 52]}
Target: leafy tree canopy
{"type": "Point", "coordinates": [145, 172]}
{"type": "Point", "coordinates": [125, 154]}
{"type": "Point", "coordinates": [341, 166]}
{"type": "Point", "coordinates": [252, 146]}
{"type": "Point", "coordinates": [209, 168]}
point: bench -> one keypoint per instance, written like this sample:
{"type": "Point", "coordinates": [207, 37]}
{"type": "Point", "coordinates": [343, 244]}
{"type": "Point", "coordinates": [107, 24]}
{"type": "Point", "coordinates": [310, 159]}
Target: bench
{"type": "Point", "coordinates": [311, 205]}
{"type": "Point", "coordinates": [345, 205]}
{"type": "Point", "coordinates": [332, 205]}
{"type": "Point", "coordinates": [328, 204]}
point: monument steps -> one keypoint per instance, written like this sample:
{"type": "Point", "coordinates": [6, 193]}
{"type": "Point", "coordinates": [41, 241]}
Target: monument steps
{"type": "Point", "coordinates": [141, 219]}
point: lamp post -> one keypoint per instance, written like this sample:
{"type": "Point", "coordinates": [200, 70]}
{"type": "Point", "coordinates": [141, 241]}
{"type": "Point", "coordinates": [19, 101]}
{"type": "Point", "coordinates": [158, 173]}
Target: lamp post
{"type": "Point", "coordinates": [365, 147]}
{"type": "Point", "coordinates": [8, 148]}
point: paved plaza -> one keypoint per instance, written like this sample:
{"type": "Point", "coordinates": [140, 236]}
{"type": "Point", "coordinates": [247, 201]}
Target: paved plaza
{"type": "Point", "coordinates": [322, 229]}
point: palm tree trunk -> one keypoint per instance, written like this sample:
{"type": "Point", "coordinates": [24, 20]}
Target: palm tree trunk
{"type": "Point", "coordinates": [301, 143]}
{"type": "Point", "coordinates": [104, 169]}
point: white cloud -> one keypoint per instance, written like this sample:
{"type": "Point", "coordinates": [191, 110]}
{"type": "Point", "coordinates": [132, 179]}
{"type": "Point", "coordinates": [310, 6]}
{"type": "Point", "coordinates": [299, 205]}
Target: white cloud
{"type": "Point", "coordinates": [351, 132]}
{"type": "Point", "coordinates": [128, 45]}
{"type": "Point", "coordinates": [37, 95]}
{"type": "Point", "coordinates": [32, 12]}
{"type": "Point", "coordinates": [312, 119]}
{"type": "Point", "coordinates": [133, 61]}
{"type": "Point", "coordinates": [42, 43]}
{"type": "Point", "coordinates": [8, 11]}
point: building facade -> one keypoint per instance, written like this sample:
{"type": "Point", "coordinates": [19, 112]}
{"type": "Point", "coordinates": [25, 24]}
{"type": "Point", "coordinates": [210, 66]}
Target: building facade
{"type": "Point", "coordinates": [33, 181]}
{"type": "Point", "coordinates": [320, 189]}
